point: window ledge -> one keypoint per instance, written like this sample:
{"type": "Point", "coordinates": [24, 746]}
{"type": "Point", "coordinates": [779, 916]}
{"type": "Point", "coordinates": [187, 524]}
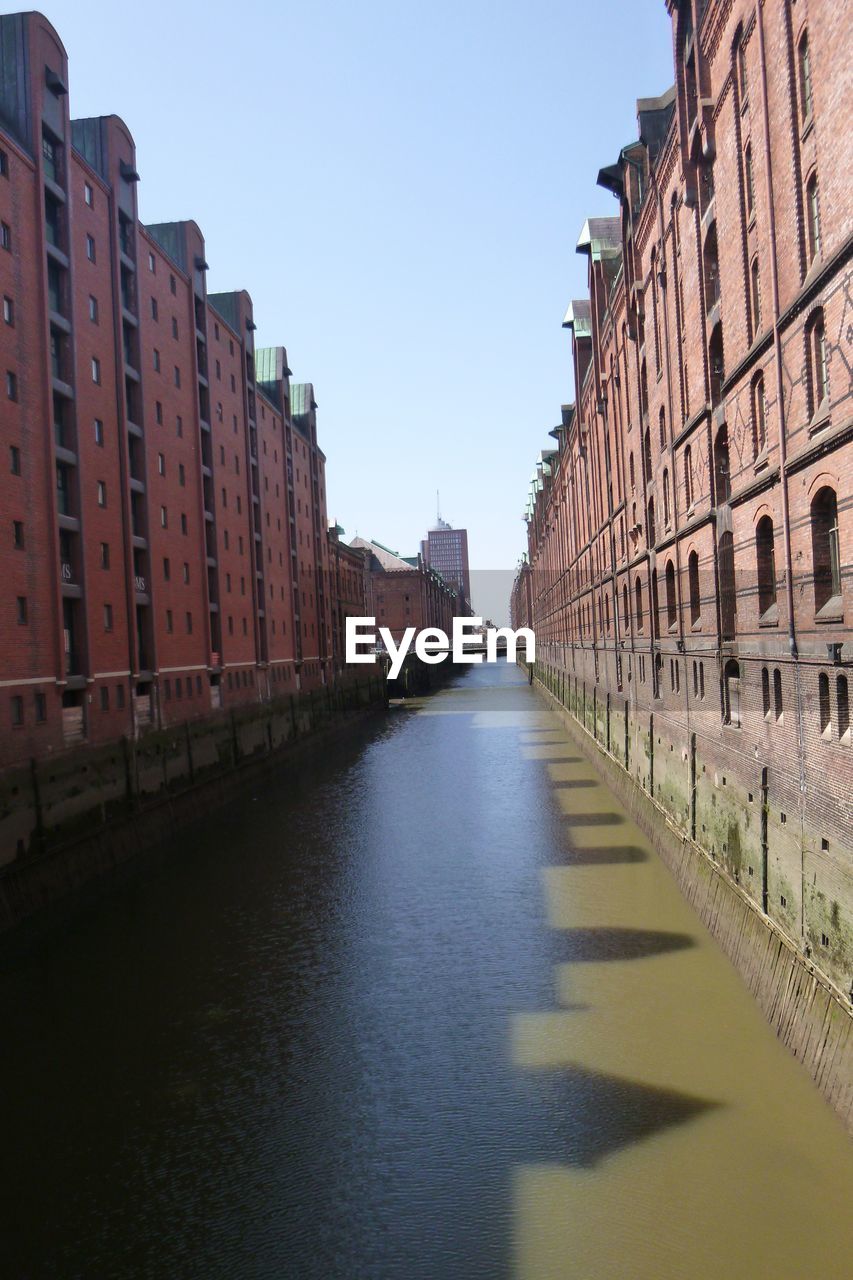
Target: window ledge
{"type": "Point", "coordinates": [697, 625]}
{"type": "Point", "coordinates": [832, 611]}
{"type": "Point", "coordinates": [820, 418]}
{"type": "Point", "coordinates": [770, 618]}
{"type": "Point", "coordinates": [762, 461]}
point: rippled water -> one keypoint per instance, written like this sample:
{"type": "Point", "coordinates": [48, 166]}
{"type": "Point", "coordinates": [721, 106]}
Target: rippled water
{"type": "Point", "coordinates": [429, 1008]}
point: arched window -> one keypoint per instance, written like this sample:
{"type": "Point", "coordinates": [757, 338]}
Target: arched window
{"type": "Point", "coordinates": [647, 455]}
{"type": "Point", "coordinates": [638, 604]}
{"type": "Point", "coordinates": [825, 710]}
{"type": "Point", "coordinates": [654, 605]}
{"type": "Point", "coordinates": [749, 179]}
{"type": "Point", "coordinates": [644, 390]}
{"type": "Point", "coordinates": [766, 564]}
{"type": "Point", "coordinates": [765, 692]}
{"type": "Point", "coordinates": [755, 297]}
{"type": "Point", "coordinates": [631, 471]}
{"type": "Point", "coordinates": [759, 415]}
{"type": "Point", "coordinates": [667, 512]}
{"type": "Point", "coordinates": [716, 364]}
{"type": "Point", "coordinates": [728, 593]}
{"type": "Point", "coordinates": [651, 522]}
{"type": "Point", "coordinates": [625, 606]}
{"type": "Point", "coordinates": [813, 217]}
{"type": "Point", "coordinates": [693, 587]}
{"type": "Point", "coordinates": [731, 693]}
{"type": "Point", "coordinates": [742, 84]}
{"type": "Point", "coordinates": [671, 604]}
{"type": "Point", "coordinates": [825, 549]}
{"type": "Point", "coordinates": [710, 263]}
{"type": "Point", "coordinates": [843, 710]}
{"type": "Point", "coordinates": [662, 428]}
{"type": "Point", "coordinates": [818, 371]}
{"type": "Point", "coordinates": [688, 477]}
{"type": "Point", "coordinates": [722, 475]}
{"type": "Point", "coordinates": [777, 695]}
{"type": "Point", "coordinates": [655, 316]}
{"type": "Point", "coordinates": [805, 69]}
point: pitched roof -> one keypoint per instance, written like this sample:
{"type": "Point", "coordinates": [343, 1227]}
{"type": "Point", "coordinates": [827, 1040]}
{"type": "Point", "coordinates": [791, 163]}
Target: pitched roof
{"type": "Point", "coordinates": [388, 560]}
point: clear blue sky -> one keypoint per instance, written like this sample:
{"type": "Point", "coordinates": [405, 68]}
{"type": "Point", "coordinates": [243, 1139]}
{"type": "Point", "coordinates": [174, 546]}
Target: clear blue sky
{"type": "Point", "coordinates": [400, 186]}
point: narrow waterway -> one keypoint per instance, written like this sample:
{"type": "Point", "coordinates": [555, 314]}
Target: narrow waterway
{"type": "Point", "coordinates": [432, 1008]}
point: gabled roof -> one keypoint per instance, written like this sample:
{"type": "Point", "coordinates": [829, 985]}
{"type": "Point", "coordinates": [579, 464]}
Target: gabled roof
{"type": "Point", "coordinates": [579, 318]}
{"type": "Point", "coordinates": [388, 560]}
{"type": "Point", "coordinates": [599, 236]}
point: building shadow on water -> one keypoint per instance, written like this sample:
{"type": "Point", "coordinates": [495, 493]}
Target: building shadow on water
{"type": "Point", "coordinates": [606, 943]}
{"type": "Point", "coordinates": [597, 1115]}
{"type": "Point", "coordinates": [601, 856]}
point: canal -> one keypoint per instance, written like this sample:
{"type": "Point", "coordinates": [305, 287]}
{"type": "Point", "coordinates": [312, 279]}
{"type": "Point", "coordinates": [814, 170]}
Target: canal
{"type": "Point", "coordinates": [427, 1007]}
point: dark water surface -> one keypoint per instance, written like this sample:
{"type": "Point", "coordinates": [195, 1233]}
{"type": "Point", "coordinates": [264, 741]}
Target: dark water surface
{"type": "Point", "coordinates": [430, 1007]}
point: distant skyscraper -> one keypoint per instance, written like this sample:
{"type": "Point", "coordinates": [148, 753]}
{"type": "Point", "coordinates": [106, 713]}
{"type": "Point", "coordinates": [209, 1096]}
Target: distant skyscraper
{"type": "Point", "coordinates": [446, 550]}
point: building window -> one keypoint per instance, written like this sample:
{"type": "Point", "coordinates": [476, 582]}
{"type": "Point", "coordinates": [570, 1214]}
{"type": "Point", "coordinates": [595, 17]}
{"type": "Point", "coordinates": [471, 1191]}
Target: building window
{"type": "Point", "coordinates": [825, 550]}
{"type": "Point", "coordinates": [161, 464]}
{"type": "Point", "coordinates": [158, 412]}
{"type": "Point", "coordinates": [11, 385]}
{"type": "Point", "coordinates": [189, 624]}
{"type": "Point", "coordinates": [825, 710]}
{"type": "Point", "coordinates": [749, 179]}
{"type": "Point", "coordinates": [90, 248]}
{"type": "Point", "coordinates": [174, 327]}
{"type": "Point", "coordinates": [164, 518]}
{"type": "Point", "coordinates": [766, 564]}
{"type": "Point", "coordinates": [755, 298]}
{"type": "Point", "coordinates": [5, 236]}
{"type": "Point", "coordinates": [765, 692]}
{"type": "Point", "coordinates": [99, 432]}
{"type": "Point", "coordinates": [89, 194]}
{"type": "Point", "coordinates": [804, 61]}
{"type": "Point", "coordinates": [96, 370]}
{"type": "Point", "coordinates": [155, 309]}
{"type": "Point", "coordinates": [182, 475]}
{"type": "Point", "coordinates": [184, 524]}
{"type": "Point", "coordinates": [186, 572]}
{"type": "Point", "coordinates": [17, 711]}
{"type": "Point", "coordinates": [813, 217]}
{"type": "Point", "coordinates": [638, 604]}
{"type": "Point", "coordinates": [41, 708]}
{"type": "Point", "coordinates": [177, 376]}
{"type": "Point", "coordinates": [8, 310]}
{"type": "Point", "coordinates": [105, 555]}
{"type": "Point", "coordinates": [169, 621]}
{"type": "Point", "coordinates": [152, 263]}
{"type": "Point", "coordinates": [14, 460]}
{"type": "Point", "coordinates": [102, 493]}
{"type": "Point", "coordinates": [777, 696]}
{"type": "Point", "coordinates": [105, 697]}
{"type": "Point", "coordinates": [179, 426]}
{"type": "Point", "coordinates": [667, 513]}
{"type": "Point", "coordinates": [167, 569]}
{"type": "Point", "coordinates": [108, 617]}
{"type": "Point", "coordinates": [688, 477]}
{"type": "Point", "coordinates": [21, 605]}
{"type": "Point", "coordinates": [843, 701]}
{"type": "Point", "coordinates": [4, 164]}
{"type": "Point", "coordinates": [731, 692]}
{"type": "Point", "coordinates": [156, 358]}
{"type": "Point", "coordinates": [742, 83]}
{"type": "Point", "coordinates": [693, 587]}
{"type": "Point", "coordinates": [93, 308]}
{"type": "Point", "coordinates": [759, 416]}
{"type": "Point", "coordinates": [671, 600]}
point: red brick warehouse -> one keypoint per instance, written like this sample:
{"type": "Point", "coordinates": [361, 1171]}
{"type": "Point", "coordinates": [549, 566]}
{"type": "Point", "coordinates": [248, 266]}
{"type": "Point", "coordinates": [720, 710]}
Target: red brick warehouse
{"type": "Point", "coordinates": [690, 535]}
{"type": "Point", "coordinates": [165, 547]}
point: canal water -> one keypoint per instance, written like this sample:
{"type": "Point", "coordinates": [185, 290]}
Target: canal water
{"type": "Point", "coordinates": [429, 1008]}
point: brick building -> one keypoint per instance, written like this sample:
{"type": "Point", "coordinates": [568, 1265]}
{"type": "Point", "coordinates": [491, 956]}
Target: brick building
{"type": "Point", "coordinates": [404, 592]}
{"type": "Point", "coordinates": [690, 533]}
{"type": "Point", "coordinates": [165, 547]}
{"type": "Point", "coordinates": [349, 588]}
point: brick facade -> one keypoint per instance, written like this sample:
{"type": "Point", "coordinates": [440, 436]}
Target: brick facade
{"type": "Point", "coordinates": [164, 548]}
{"type": "Point", "coordinates": [690, 535]}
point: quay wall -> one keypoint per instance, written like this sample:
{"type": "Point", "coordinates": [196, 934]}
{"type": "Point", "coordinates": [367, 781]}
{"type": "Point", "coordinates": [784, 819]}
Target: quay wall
{"type": "Point", "coordinates": [809, 1014]}
{"type": "Point", "coordinates": [68, 819]}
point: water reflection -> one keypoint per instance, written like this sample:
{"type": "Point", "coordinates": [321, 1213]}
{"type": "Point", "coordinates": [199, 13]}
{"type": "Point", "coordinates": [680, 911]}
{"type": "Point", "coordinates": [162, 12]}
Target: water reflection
{"type": "Point", "coordinates": [421, 1008]}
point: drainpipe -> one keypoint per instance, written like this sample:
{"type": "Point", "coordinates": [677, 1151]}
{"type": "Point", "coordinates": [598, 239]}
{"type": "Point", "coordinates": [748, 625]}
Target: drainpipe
{"type": "Point", "coordinates": [777, 340]}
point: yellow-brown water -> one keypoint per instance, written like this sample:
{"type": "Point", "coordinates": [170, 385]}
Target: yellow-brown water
{"type": "Point", "coordinates": [430, 1008]}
